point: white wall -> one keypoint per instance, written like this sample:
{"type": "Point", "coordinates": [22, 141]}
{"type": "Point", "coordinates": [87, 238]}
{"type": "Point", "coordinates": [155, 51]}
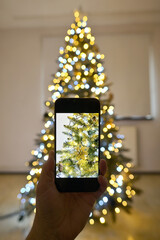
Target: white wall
{"type": "Point", "coordinates": [23, 86]}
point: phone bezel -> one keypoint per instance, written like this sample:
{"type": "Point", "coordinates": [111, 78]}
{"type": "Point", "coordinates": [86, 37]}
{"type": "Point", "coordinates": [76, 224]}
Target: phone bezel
{"type": "Point", "coordinates": [77, 105]}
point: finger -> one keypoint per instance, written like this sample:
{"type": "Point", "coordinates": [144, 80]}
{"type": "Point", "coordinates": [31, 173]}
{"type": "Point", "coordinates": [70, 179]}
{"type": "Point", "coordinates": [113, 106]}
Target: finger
{"type": "Point", "coordinates": [103, 167]}
{"type": "Point", "coordinates": [103, 185]}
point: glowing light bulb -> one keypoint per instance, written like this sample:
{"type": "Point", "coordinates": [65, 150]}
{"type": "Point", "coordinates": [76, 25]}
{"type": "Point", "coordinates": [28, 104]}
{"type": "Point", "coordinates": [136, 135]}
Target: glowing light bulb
{"type": "Point", "coordinates": [117, 210]}
{"type": "Point", "coordinates": [91, 221]}
{"type": "Point", "coordinates": [102, 220]}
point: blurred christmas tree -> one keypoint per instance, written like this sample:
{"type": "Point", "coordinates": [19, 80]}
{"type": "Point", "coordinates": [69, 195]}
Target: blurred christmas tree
{"type": "Point", "coordinates": [81, 74]}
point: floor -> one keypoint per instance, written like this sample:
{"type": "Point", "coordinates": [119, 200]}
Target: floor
{"type": "Point", "coordinates": [143, 223]}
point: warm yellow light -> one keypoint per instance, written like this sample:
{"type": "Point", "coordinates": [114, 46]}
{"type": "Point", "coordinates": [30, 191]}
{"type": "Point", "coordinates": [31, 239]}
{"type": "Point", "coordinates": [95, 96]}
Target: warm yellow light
{"type": "Point", "coordinates": [79, 24]}
{"type": "Point", "coordinates": [93, 61]}
{"type": "Point", "coordinates": [34, 180]}
{"type": "Point", "coordinates": [126, 170]}
{"type": "Point", "coordinates": [45, 137]}
{"type": "Point", "coordinates": [105, 129]}
{"type": "Point", "coordinates": [133, 192]}
{"type": "Point", "coordinates": [84, 24]}
{"type": "Point", "coordinates": [105, 107]}
{"type": "Point", "coordinates": [109, 135]}
{"type": "Point", "coordinates": [111, 182]}
{"type": "Point", "coordinates": [51, 137]}
{"type": "Point", "coordinates": [119, 199]}
{"type": "Point", "coordinates": [86, 46]}
{"type": "Point", "coordinates": [47, 104]}
{"type": "Point", "coordinates": [76, 87]}
{"type": "Point", "coordinates": [104, 211]}
{"type": "Point", "coordinates": [34, 210]}
{"type": "Point", "coordinates": [102, 136]}
{"type": "Point", "coordinates": [29, 177]}
{"type": "Point", "coordinates": [49, 145]}
{"type": "Point", "coordinates": [124, 203]}
{"type": "Point", "coordinates": [88, 36]}
{"type": "Point", "coordinates": [129, 165]}
{"type": "Point", "coordinates": [76, 14]}
{"type": "Point", "coordinates": [85, 18]}
{"type": "Point", "coordinates": [117, 210]}
{"type": "Point", "coordinates": [131, 176]}
{"type": "Point", "coordinates": [35, 163]}
{"type": "Point", "coordinates": [67, 38]}
{"type": "Point", "coordinates": [74, 49]}
{"type": "Point", "coordinates": [50, 114]}
{"type": "Point", "coordinates": [102, 220]}
{"type": "Point", "coordinates": [102, 56]}
{"type": "Point", "coordinates": [81, 35]}
{"type": "Point", "coordinates": [91, 221]}
{"type": "Point", "coordinates": [73, 25]}
{"type": "Point", "coordinates": [69, 31]}
{"type": "Point", "coordinates": [128, 192]}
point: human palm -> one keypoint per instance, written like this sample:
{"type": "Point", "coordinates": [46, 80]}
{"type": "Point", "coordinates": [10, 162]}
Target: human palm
{"type": "Point", "coordinates": [62, 216]}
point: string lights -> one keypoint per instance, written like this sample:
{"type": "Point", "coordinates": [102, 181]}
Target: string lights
{"type": "Point", "coordinates": [81, 74]}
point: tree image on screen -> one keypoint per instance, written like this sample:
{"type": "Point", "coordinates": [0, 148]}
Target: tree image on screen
{"type": "Point", "coordinates": [79, 156]}
{"type": "Point", "coordinates": [81, 74]}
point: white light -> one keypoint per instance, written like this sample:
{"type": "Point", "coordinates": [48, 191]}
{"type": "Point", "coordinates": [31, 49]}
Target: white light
{"type": "Point", "coordinates": [119, 180]}
{"type": "Point", "coordinates": [87, 30]}
{"type": "Point", "coordinates": [35, 153]}
{"type": "Point", "coordinates": [32, 172]}
{"type": "Point", "coordinates": [46, 157]}
{"type": "Point", "coordinates": [86, 86]}
{"type": "Point", "coordinates": [90, 215]}
{"type": "Point", "coordinates": [32, 200]}
{"type": "Point", "coordinates": [39, 155]}
{"type": "Point", "coordinates": [23, 190]}
{"type": "Point", "coordinates": [77, 52]}
{"type": "Point", "coordinates": [119, 190]}
{"type": "Point", "coordinates": [78, 30]}
{"type": "Point", "coordinates": [118, 145]}
{"type": "Point", "coordinates": [58, 74]}
{"type": "Point", "coordinates": [70, 68]}
{"type": "Point", "coordinates": [27, 189]}
{"type": "Point", "coordinates": [110, 111]}
{"type": "Point", "coordinates": [105, 199]}
{"type": "Point", "coordinates": [93, 89]}
{"type": "Point", "coordinates": [112, 191]}
{"type": "Point", "coordinates": [102, 149]}
{"type": "Point", "coordinates": [119, 169]}
{"type": "Point", "coordinates": [104, 89]}
{"type": "Point", "coordinates": [60, 88]}
{"type": "Point", "coordinates": [72, 31]}
{"type": "Point", "coordinates": [98, 56]}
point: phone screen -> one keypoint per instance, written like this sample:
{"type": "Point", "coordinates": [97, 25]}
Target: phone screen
{"type": "Point", "coordinates": [77, 145]}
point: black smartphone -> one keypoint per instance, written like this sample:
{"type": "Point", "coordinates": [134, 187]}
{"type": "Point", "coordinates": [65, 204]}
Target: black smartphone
{"type": "Point", "coordinates": [77, 143]}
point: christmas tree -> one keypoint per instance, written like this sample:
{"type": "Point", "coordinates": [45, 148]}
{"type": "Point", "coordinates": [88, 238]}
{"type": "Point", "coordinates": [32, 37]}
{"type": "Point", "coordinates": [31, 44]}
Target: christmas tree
{"type": "Point", "coordinates": [81, 145]}
{"type": "Point", "coordinates": [81, 74]}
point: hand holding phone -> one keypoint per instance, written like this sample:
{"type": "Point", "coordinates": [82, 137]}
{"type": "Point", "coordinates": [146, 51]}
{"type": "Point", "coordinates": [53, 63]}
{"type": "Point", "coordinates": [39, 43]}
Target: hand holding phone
{"type": "Point", "coordinates": [77, 140]}
{"type": "Point", "coordinates": [62, 215]}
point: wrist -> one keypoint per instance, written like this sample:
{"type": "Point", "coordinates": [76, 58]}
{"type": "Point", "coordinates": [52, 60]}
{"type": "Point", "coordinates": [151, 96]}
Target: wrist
{"type": "Point", "coordinates": [39, 232]}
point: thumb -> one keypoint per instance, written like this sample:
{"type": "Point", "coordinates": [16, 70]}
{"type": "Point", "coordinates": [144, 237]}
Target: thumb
{"type": "Point", "coordinates": [47, 175]}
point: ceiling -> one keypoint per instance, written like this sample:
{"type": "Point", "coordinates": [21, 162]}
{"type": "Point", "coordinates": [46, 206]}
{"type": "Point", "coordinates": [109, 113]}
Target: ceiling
{"type": "Point", "coordinates": [43, 13]}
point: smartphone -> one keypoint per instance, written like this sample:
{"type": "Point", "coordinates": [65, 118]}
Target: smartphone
{"type": "Point", "coordinates": [77, 143]}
